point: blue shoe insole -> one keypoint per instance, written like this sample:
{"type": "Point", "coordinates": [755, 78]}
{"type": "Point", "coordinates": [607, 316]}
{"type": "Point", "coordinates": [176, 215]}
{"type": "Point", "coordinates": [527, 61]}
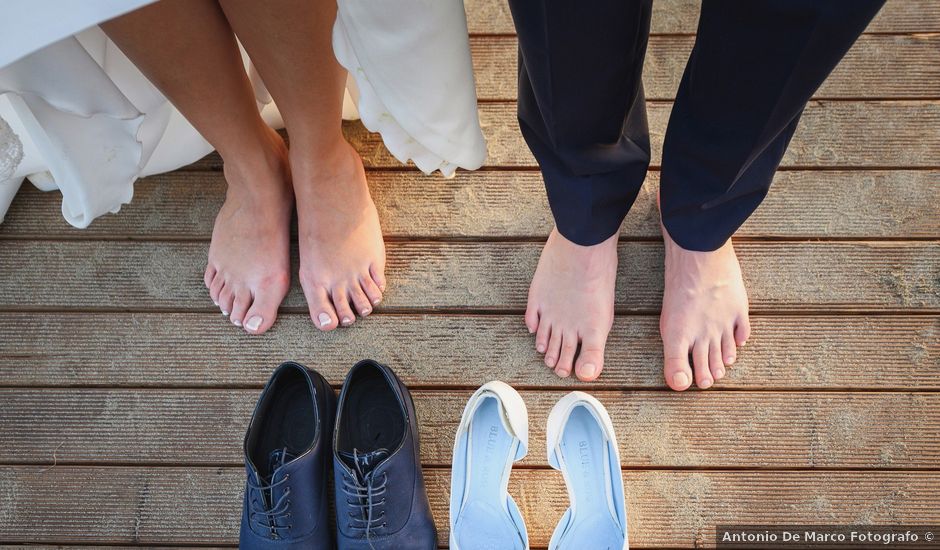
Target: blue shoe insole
{"type": "Point", "coordinates": [484, 522]}
{"type": "Point", "coordinates": [585, 453]}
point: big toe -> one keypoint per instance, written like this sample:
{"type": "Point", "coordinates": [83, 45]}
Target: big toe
{"type": "Point", "coordinates": [677, 371]}
{"type": "Point", "coordinates": [590, 359]}
{"type": "Point", "coordinates": [321, 307]}
{"type": "Point", "coordinates": [263, 311]}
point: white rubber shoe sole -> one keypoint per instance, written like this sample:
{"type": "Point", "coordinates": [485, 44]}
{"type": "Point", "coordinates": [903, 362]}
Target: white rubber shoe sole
{"type": "Point", "coordinates": [493, 433]}
{"type": "Point", "coordinates": [582, 444]}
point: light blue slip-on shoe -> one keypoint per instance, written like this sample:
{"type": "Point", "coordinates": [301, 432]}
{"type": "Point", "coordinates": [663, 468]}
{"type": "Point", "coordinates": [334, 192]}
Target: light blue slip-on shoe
{"type": "Point", "coordinates": [582, 444]}
{"type": "Point", "coordinates": [493, 433]}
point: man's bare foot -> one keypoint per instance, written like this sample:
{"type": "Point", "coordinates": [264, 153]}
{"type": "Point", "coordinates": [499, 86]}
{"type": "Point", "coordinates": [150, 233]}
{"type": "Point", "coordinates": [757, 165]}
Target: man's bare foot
{"type": "Point", "coordinates": [342, 255]}
{"type": "Point", "coordinates": [704, 314]}
{"type": "Point", "coordinates": [571, 304]}
{"type": "Point", "coordinates": [248, 273]}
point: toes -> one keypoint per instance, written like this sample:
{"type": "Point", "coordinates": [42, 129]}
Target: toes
{"type": "Point", "coordinates": [590, 358]}
{"type": "Point", "coordinates": [554, 348]}
{"type": "Point", "coordinates": [240, 307]}
{"type": "Point", "coordinates": [703, 376]}
{"type": "Point", "coordinates": [542, 338]}
{"type": "Point", "coordinates": [532, 319]}
{"type": "Point", "coordinates": [378, 275]}
{"type": "Point", "coordinates": [742, 331]}
{"type": "Point", "coordinates": [226, 299]}
{"type": "Point", "coordinates": [208, 276]}
{"type": "Point", "coordinates": [321, 308]}
{"type": "Point", "coordinates": [372, 290]}
{"type": "Point", "coordinates": [716, 363]}
{"type": "Point", "coordinates": [360, 301]}
{"type": "Point", "coordinates": [729, 352]}
{"type": "Point", "coordinates": [569, 346]}
{"type": "Point", "coordinates": [676, 370]}
{"type": "Point", "coordinates": [341, 304]}
{"type": "Point", "coordinates": [215, 287]}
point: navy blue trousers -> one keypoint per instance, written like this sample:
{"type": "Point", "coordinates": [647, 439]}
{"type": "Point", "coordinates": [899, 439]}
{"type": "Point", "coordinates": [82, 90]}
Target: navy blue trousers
{"type": "Point", "coordinates": [754, 66]}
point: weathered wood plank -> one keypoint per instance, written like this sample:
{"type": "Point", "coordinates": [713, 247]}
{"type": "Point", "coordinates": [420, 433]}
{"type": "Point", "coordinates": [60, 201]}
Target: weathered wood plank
{"type": "Point", "coordinates": [875, 67]}
{"type": "Point", "coordinates": [655, 429]}
{"type": "Point", "coordinates": [674, 509]}
{"type": "Point", "coordinates": [781, 275]}
{"type": "Point", "coordinates": [837, 134]}
{"type": "Point", "coordinates": [810, 204]}
{"type": "Point", "coordinates": [681, 17]}
{"type": "Point", "coordinates": [204, 350]}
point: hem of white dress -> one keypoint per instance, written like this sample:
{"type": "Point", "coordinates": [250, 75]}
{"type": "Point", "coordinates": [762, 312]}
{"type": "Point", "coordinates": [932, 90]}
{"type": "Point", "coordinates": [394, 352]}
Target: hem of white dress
{"type": "Point", "coordinates": [429, 151]}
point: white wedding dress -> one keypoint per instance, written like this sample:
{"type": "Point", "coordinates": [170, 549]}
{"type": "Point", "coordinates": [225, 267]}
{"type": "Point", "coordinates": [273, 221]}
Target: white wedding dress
{"type": "Point", "coordinates": [76, 115]}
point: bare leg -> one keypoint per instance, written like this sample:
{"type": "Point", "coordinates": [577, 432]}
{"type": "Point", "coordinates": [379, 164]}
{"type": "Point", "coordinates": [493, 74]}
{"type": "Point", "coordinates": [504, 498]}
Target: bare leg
{"type": "Point", "coordinates": [342, 255]}
{"type": "Point", "coordinates": [187, 49]}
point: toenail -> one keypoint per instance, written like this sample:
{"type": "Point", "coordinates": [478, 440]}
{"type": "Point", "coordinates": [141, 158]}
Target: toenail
{"type": "Point", "coordinates": [366, 312]}
{"type": "Point", "coordinates": [588, 370]}
{"type": "Point", "coordinates": [347, 320]}
{"type": "Point", "coordinates": [729, 361]}
{"type": "Point", "coordinates": [324, 319]}
{"type": "Point", "coordinates": [720, 373]}
{"type": "Point", "coordinates": [376, 301]}
{"type": "Point", "coordinates": [253, 323]}
{"type": "Point", "coordinates": [236, 322]}
{"type": "Point", "coordinates": [216, 303]}
{"type": "Point", "coordinates": [680, 379]}
{"type": "Point", "coordinates": [705, 384]}
{"type": "Point", "coordinates": [225, 313]}
{"type": "Point", "coordinates": [540, 348]}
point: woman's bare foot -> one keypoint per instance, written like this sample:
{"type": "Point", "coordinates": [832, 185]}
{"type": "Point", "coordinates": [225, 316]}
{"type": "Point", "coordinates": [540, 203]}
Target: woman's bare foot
{"type": "Point", "coordinates": [571, 304]}
{"type": "Point", "coordinates": [248, 273]}
{"type": "Point", "coordinates": [704, 314]}
{"type": "Point", "coordinates": [342, 255]}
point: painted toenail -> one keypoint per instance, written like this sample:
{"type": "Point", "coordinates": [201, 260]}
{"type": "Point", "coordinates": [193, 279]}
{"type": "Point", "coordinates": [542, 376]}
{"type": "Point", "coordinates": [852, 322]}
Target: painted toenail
{"type": "Point", "coordinates": [216, 303]}
{"type": "Point", "coordinates": [376, 301]}
{"type": "Point", "coordinates": [540, 348]}
{"type": "Point", "coordinates": [236, 322]}
{"type": "Point", "coordinates": [324, 319]}
{"type": "Point", "coordinates": [347, 320]}
{"type": "Point", "coordinates": [224, 313]}
{"type": "Point", "coordinates": [366, 312]}
{"type": "Point", "coordinates": [253, 323]}
{"type": "Point", "coordinates": [680, 379]}
{"type": "Point", "coordinates": [729, 361]}
{"type": "Point", "coordinates": [588, 370]}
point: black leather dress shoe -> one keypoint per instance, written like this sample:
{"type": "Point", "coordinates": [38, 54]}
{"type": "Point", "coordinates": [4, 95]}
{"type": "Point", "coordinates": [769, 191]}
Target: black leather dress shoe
{"type": "Point", "coordinates": [287, 458]}
{"type": "Point", "coordinates": [381, 502]}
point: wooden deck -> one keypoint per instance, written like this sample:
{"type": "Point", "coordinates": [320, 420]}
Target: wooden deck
{"type": "Point", "coordinates": [124, 394]}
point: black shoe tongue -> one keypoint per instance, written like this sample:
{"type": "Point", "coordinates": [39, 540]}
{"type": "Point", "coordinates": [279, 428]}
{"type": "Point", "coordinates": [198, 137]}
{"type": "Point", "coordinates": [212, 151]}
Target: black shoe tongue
{"type": "Point", "coordinates": [363, 463]}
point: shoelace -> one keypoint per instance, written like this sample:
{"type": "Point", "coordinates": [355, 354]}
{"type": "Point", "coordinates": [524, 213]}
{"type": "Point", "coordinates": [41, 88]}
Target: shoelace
{"type": "Point", "coordinates": [365, 489]}
{"type": "Point", "coordinates": [267, 519]}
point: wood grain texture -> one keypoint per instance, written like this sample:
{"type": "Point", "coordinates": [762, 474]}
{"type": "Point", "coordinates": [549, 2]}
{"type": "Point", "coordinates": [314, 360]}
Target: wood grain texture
{"type": "Point", "coordinates": [672, 509]}
{"type": "Point", "coordinates": [875, 67]}
{"type": "Point", "coordinates": [832, 134]}
{"type": "Point", "coordinates": [780, 275]}
{"type": "Point", "coordinates": [655, 429]}
{"type": "Point", "coordinates": [681, 17]}
{"type": "Point", "coordinates": [204, 350]}
{"type": "Point", "coordinates": [483, 204]}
